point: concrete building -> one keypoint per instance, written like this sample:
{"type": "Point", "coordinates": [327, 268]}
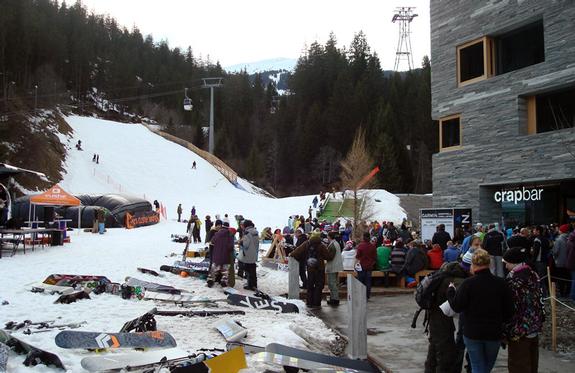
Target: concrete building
{"type": "Point", "coordinates": [503, 93]}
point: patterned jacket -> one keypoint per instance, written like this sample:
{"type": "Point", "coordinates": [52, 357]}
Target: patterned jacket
{"type": "Point", "coordinates": [528, 302]}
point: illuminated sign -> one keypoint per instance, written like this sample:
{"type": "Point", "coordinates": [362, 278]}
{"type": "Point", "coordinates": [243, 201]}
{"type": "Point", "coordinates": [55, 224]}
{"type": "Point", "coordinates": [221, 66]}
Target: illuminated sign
{"type": "Point", "coordinates": [519, 195]}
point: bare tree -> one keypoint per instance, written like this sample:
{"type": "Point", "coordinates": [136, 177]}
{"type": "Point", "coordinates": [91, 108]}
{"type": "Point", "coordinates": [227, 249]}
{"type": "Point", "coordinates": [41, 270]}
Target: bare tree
{"type": "Point", "coordinates": [355, 169]}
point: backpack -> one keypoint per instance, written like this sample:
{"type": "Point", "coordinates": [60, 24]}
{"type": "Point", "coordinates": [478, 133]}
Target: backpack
{"type": "Point", "coordinates": [312, 261]}
{"type": "Point", "coordinates": [427, 288]}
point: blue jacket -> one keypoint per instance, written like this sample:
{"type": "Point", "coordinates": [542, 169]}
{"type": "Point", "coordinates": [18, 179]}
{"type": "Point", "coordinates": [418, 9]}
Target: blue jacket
{"type": "Point", "coordinates": [451, 254]}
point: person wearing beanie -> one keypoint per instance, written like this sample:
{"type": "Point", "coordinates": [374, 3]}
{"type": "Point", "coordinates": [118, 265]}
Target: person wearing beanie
{"type": "Point", "coordinates": [315, 254]}
{"type": "Point", "coordinates": [248, 254]}
{"type": "Point", "coordinates": [366, 256]}
{"type": "Point", "coordinates": [333, 267]}
{"type": "Point", "coordinates": [300, 239]}
{"type": "Point", "coordinates": [443, 352]}
{"type": "Point", "coordinates": [466, 260]}
{"type": "Point", "coordinates": [221, 253]}
{"type": "Point", "coordinates": [486, 304]}
{"type": "Point", "coordinates": [559, 252]}
{"type": "Point", "coordinates": [522, 331]}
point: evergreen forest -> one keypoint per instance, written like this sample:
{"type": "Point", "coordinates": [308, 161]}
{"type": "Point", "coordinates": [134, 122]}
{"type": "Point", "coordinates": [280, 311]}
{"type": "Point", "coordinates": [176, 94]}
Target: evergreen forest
{"type": "Point", "coordinates": [53, 53]}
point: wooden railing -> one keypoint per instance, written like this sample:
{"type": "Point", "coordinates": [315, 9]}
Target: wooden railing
{"type": "Point", "coordinates": [223, 168]}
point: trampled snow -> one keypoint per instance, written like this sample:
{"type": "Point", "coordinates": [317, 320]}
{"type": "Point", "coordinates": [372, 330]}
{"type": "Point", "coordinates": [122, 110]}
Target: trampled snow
{"type": "Point", "coordinates": [136, 161]}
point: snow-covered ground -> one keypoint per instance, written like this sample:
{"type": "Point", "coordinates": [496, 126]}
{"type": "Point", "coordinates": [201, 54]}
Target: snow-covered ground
{"type": "Point", "coordinates": [136, 161]}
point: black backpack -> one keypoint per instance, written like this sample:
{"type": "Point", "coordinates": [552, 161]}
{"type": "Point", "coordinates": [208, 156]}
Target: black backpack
{"type": "Point", "coordinates": [427, 289]}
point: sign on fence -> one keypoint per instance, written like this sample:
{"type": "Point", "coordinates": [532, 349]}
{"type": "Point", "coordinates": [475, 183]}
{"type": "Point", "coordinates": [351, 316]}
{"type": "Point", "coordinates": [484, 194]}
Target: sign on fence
{"type": "Point", "coordinates": [140, 219]}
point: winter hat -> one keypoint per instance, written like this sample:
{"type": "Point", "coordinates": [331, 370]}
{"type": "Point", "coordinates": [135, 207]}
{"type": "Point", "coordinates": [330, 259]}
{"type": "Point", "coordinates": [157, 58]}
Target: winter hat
{"type": "Point", "coordinates": [226, 224]}
{"type": "Point", "coordinates": [218, 223]}
{"type": "Point", "coordinates": [299, 230]}
{"type": "Point", "coordinates": [286, 230]}
{"type": "Point", "coordinates": [515, 255]}
{"type": "Point", "coordinates": [387, 242]}
{"type": "Point", "coordinates": [466, 260]}
{"type": "Point", "coordinates": [564, 228]}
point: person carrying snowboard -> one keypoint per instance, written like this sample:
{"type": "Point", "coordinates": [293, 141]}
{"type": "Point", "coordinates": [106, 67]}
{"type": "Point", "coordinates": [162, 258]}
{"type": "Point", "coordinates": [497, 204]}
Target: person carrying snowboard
{"type": "Point", "coordinates": [223, 245]}
{"type": "Point", "coordinates": [248, 255]}
{"type": "Point", "coordinates": [197, 223]}
{"type": "Point", "coordinates": [316, 253]}
{"type": "Point", "coordinates": [179, 212]}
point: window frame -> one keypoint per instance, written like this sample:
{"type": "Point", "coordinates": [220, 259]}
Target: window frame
{"type": "Point", "coordinates": [445, 119]}
{"type": "Point", "coordinates": [488, 62]}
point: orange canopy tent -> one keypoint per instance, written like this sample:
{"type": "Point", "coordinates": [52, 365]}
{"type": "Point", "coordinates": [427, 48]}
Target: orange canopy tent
{"type": "Point", "coordinates": [55, 196]}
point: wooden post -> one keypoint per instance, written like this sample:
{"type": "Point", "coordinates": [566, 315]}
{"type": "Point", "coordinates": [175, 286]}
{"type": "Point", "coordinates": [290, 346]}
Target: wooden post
{"type": "Point", "coordinates": [549, 278]}
{"type": "Point", "coordinates": [357, 323]}
{"type": "Point", "coordinates": [293, 288]}
{"type": "Point", "coordinates": [553, 318]}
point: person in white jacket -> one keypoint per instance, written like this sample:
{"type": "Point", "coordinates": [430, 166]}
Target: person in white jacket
{"type": "Point", "coordinates": [332, 268]}
{"type": "Point", "coordinates": [348, 256]}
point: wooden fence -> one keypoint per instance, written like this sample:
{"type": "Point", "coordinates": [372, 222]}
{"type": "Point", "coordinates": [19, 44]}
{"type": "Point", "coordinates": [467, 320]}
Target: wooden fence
{"type": "Point", "coordinates": [220, 165]}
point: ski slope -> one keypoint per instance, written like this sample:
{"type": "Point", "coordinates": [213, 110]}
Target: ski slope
{"type": "Point", "coordinates": [136, 161]}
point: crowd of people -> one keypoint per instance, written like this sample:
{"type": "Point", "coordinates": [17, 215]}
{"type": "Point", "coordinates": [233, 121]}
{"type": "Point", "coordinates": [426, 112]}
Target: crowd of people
{"type": "Point", "coordinates": [495, 281]}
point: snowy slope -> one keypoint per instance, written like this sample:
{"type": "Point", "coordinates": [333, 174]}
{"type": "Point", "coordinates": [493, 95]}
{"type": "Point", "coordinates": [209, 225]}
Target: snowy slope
{"type": "Point", "coordinates": [264, 65]}
{"type": "Point", "coordinates": [134, 160]}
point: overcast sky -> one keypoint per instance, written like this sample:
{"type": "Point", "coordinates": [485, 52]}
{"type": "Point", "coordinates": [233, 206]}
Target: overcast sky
{"type": "Point", "coordinates": [240, 31]}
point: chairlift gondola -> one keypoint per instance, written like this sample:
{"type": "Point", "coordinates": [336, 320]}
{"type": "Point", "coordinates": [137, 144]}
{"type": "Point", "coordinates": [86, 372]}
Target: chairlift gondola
{"type": "Point", "coordinates": [187, 101]}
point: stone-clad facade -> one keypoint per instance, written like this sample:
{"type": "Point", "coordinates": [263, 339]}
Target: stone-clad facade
{"type": "Point", "coordinates": [496, 148]}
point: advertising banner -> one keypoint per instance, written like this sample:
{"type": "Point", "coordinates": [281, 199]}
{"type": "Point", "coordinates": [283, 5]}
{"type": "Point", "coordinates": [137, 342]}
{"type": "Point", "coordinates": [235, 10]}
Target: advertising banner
{"type": "Point", "coordinates": [451, 218]}
{"type": "Point", "coordinates": [141, 219]}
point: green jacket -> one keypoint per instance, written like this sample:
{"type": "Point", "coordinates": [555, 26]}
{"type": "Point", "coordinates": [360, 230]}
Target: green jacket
{"type": "Point", "coordinates": [383, 254]}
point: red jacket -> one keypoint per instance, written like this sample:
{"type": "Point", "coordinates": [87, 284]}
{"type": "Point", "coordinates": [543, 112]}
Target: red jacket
{"type": "Point", "coordinates": [366, 253]}
{"type": "Point", "coordinates": [435, 256]}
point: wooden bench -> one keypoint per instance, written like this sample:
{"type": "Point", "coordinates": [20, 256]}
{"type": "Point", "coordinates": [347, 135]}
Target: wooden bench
{"type": "Point", "coordinates": [374, 274]}
{"type": "Point", "coordinates": [422, 274]}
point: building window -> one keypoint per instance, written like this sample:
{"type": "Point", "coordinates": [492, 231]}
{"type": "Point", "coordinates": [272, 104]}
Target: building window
{"type": "Point", "coordinates": [551, 111]}
{"type": "Point", "coordinates": [520, 48]}
{"type": "Point", "coordinates": [450, 132]}
{"type": "Point", "coordinates": [474, 61]}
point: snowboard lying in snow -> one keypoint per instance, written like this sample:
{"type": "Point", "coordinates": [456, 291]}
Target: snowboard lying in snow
{"type": "Point", "coordinates": [148, 361]}
{"type": "Point", "coordinates": [202, 266]}
{"type": "Point", "coordinates": [96, 340]}
{"type": "Point", "coordinates": [154, 295]}
{"type": "Point", "coordinates": [148, 271]}
{"type": "Point", "coordinates": [231, 330]}
{"type": "Point", "coordinates": [178, 270]}
{"type": "Point", "coordinates": [262, 304]}
{"type": "Point", "coordinates": [153, 286]}
{"type": "Point", "coordinates": [34, 355]}
{"type": "Point", "coordinates": [75, 280]}
{"type": "Point", "coordinates": [306, 360]}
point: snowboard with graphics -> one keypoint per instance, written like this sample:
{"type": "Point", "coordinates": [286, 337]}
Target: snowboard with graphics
{"type": "Point", "coordinates": [262, 304]}
{"type": "Point", "coordinates": [148, 361]}
{"type": "Point", "coordinates": [96, 340]}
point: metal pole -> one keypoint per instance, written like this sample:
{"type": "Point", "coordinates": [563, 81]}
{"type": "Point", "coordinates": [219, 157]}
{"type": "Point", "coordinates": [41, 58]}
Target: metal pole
{"type": "Point", "coordinates": [36, 104]}
{"type": "Point", "coordinates": [211, 140]}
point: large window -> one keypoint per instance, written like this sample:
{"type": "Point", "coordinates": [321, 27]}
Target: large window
{"type": "Point", "coordinates": [474, 61]}
{"type": "Point", "coordinates": [450, 132]}
{"type": "Point", "coordinates": [500, 53]}
{"type": "Point", "coordinates": [520, 48]}
{"type": "Point", "coordinates": [551, 111]}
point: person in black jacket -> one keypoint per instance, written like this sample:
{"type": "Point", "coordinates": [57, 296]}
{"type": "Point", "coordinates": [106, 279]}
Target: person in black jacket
{"type": "Point", "coordinates": [300, 239]}
{"type": "Point", "coordinates": [441, 237]}
{"type": "Point", "coordinates": [520, 238]}
{"type": "Point", "coordinates": [486, 303]}
{"type": "Point", "coordinates": [493, 243]}
{"type": "Point", "coordinates": [442, 353]}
